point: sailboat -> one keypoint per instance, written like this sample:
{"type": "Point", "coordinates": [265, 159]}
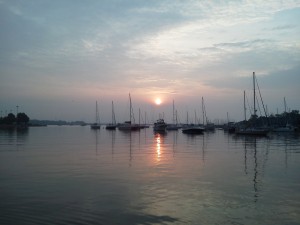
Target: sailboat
{"type": "Point", "coordinates": [230, 126]}
{"type": "Point", "coordinates": [174, 125]}
{"type": "Point", "coordinates": [252, 129]}
{"type": "Point", "coordinates": [145, 124]}
{"type": "Point", "coordinates": [128, 125]}
{"type": "Point", "coordinates": [288, 127]}
{"type": "Point", "coordinates": [96, 125]}
{"type": "Point", "coordinates": [112, 125]}
{"type": "Point", "coordinates": [192, 128]}
{"type": "Point", "coordinates": [208, 126]}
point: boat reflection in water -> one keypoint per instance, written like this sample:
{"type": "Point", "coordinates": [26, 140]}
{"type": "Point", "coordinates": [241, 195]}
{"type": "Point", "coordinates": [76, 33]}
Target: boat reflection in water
{"type": "Point", "coordinates": [255, 161]}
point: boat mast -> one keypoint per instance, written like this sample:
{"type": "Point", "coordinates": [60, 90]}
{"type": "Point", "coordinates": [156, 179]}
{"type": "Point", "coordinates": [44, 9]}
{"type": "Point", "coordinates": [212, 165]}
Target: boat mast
{"type": "Point", "coordinates": [254, 94]}
{"type": "Point", "coordinates": [139, 116]}
{"type": "Point", "coordinates": [203, 109]}
{"type": "Point", "coordinates": [227, 118]}
{"type": "Point", "coordinates": [245, 106]}
{"type": "Point", "coordinates": [284, 104]}
{"type": "Point", "coordinates": [204, 112]}
{"type": "Point", "coordinates": [130, 108]}
{"type": "Point", "coordinates": [97, 113]}
{"type": "Point", "coordinates": [285, 110]}
{"type": "Point", "coordinates": [173, 112]}
{"type": "Point", "coordinates": [113, 118]}
{"type": "Point", "coordinates": [187, 117]}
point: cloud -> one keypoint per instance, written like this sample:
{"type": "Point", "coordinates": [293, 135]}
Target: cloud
{"type": "Point", "coordinates": [284, 27]}
{"type": "Point", "coordinates": [108, 47]}
{"type": "Point", "coordinates": [257, 43]}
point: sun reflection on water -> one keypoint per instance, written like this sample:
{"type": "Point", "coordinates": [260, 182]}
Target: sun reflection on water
{"type": "Point", "coordinates": [158, 140]}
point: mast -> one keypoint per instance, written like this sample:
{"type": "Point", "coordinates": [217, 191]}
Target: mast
{"type": "Point", "coordinates": [204, 112]}
{"type": "Point", "coordinates": [173, 112]}
{"type": "Point", "coordinates": [245, 106]}
{"type": "Point", "coordinates": [254, 94]}
{"type": "Point", "coordinates": [97, 113]}
{"type": "Point", "coordinates": [130, 108]}
{"type": "Point", "coordinates": [227, 118]}
{"type": "Point", "coordinates": [113, 118]}
{"type": "Point", "coordinates": [203, 109]}
{"type": "Point", "coordinates": [284, 104]}
{"type": "Point", "coordinates": [285, 114]}
{"type": "Point", "coordinates": [187, 117]}
{"type": "Point", "coordinates": [139, 116]}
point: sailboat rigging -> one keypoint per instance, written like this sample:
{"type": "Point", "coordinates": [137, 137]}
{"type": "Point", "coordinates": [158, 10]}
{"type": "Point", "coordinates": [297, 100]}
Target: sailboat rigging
{"type": "Point", "coordinates": [251, 127]}
{"type": "Point", "coordinates": [209, 126]}
{"type": "Point", "coordinates": [174, 125]}
{"type": "Point", "coordinates": [287, 127]}
{"type": "Point", "coordinates": [128, 125]}
{"type": "Point", "coordinates": [112, 125]}
{"type": "Point", "coordinates": [96, 125]}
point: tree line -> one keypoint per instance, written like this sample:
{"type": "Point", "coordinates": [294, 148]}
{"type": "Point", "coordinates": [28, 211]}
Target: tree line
{"type": "Point", "coordinates": [11, 119]}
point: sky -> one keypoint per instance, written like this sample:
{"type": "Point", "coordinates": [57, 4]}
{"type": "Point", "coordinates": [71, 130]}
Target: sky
{"type": "Point", "coordinates": [57, 58]}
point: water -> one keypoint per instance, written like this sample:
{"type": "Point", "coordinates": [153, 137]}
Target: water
{"type": "Point", "coordinates": [75, 175]}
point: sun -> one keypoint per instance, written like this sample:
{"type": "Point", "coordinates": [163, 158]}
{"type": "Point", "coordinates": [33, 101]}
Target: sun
{"type": "Point", "coordinates": [157, 101]}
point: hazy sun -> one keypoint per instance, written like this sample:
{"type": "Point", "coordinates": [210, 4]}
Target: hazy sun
{"type": "Point", "coordinates": [158, 101]}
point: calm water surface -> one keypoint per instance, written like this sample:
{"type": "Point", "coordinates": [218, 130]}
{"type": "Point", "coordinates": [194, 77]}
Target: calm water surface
{"type": "Point", "coordinates": [75, 175]}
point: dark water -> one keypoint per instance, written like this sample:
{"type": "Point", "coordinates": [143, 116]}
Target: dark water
{"type": "Point", "coordinates": [74, 175]}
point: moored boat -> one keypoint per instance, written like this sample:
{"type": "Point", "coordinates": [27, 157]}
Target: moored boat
{"type": "Point", "coordinates": [112, 125]}
{"type": "Point", "coordinates": [229, 127]}
{"type": "Point", "coordinates": [160, 125]}
{"type": "Point", "coordinates": [252, 131]}
{"type": "Point", "coordinates": [287, 128]}
{"type": "Point", "coordinates": [193, 129]}
{"type": "Point", "coordinates": [128, 125]}
{"type": "Point", "coordinates": [208, 126]}
{"type": "Point", "coordinates": [251, 127]}
{"type": "Point", "coordinates": [96, 125]}
{"type": "Point", "coordinates": [174, 125]}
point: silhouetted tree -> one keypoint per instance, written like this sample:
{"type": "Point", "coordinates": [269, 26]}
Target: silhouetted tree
{"type": "Point", "coordinates": [22, 118]}
{"type": "Point", "coordinates": [9, 119]}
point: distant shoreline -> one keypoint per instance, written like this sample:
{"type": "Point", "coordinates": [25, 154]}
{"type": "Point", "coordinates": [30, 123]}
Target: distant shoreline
{"type": "Point", "coordinates": [39, 123]}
